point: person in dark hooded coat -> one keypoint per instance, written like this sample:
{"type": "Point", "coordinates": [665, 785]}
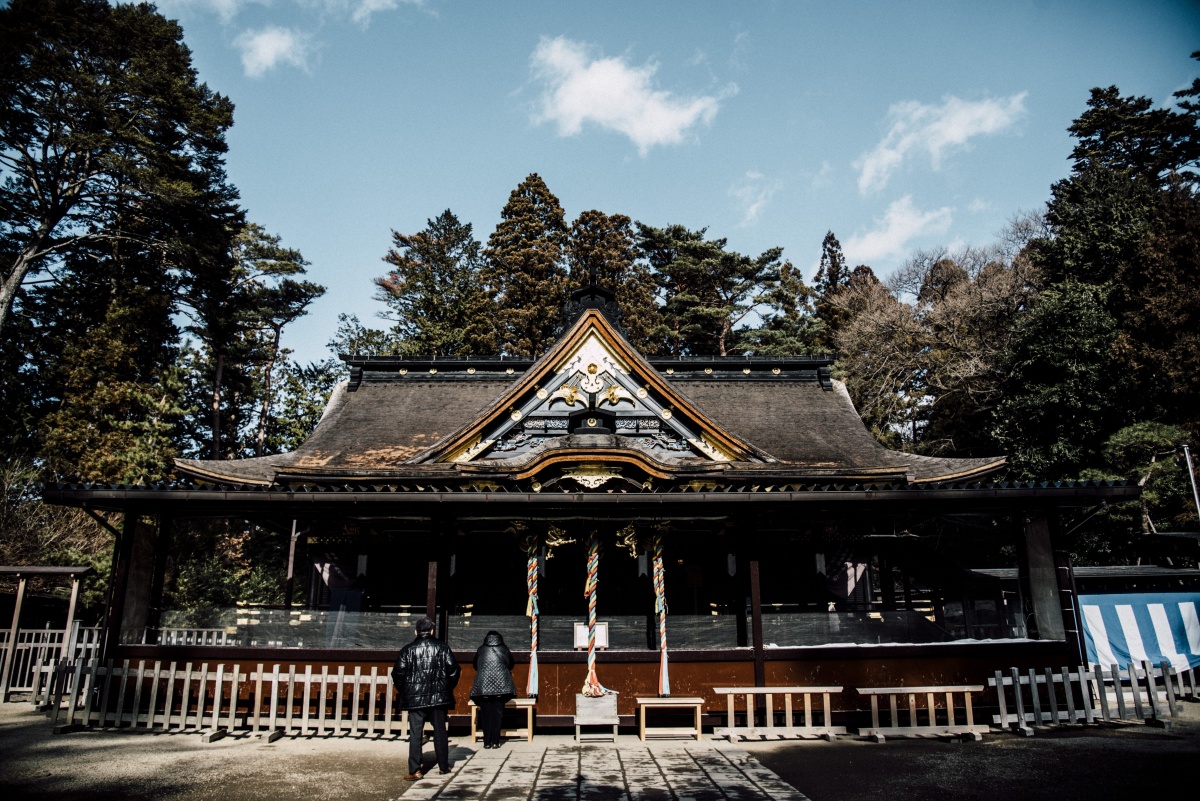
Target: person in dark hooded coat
{"type": "Point", "coordinates": [493, 685]}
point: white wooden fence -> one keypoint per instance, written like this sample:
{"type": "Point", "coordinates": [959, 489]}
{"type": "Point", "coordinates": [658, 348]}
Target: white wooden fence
{"type": "Point", "coordinates": [218, 698]}
{"type": "Point", "coordinates": [924, 720]}
{"type": "Point", "coordinates": [808, 727]}
{"type": "Point", "coordinates": [37, 650]}
{"type": "Point", "coordinates": [1090, 694]}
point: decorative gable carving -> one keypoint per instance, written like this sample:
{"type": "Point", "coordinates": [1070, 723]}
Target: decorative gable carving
{"type": "Point", "coordinates": [592, 390]}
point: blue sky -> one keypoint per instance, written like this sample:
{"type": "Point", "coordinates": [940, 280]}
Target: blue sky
{"type": "Point", "coordinates": [896, 125]}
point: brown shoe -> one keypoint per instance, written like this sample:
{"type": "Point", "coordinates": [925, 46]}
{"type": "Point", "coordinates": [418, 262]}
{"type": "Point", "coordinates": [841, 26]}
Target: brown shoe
{"type": "Point", "coordinates": [412, 777]}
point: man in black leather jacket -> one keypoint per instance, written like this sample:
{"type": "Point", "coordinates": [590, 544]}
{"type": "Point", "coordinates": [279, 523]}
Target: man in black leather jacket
{"type": "Point", "coordinates": [425, 674]}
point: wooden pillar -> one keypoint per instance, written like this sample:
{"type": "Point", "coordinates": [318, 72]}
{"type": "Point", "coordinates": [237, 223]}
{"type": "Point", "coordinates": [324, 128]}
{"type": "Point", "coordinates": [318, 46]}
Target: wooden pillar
{"type": "Point", "coordinates": [1039, 574]}
{"type": "Point", "coordinates": [443, 593]}
{"type": "Point", "coordinates": [122, 550]}
{"type": "Point", "coordinates": [887, 584]}
{"type": "Point", "coordinates": [291, 569]}
{"type": "Point", "coordinates": [162, 547]}
{"type": "Point", "coordinates": [1068, 602]}
{"type": "Point", "coordinates": [431, 594]}
{"type": "Point", "coordinates": [68, 646]}
{"type": "Point", "coordinates": [139, 581]}
{"type": "Point", "coordinates": [10, 650]}
{"type": "Point", "coordinates": [760, 665]}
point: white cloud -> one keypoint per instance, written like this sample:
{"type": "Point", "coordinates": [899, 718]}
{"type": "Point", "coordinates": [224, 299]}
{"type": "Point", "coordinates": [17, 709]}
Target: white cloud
{"type": "Point", "coordinates": [933, 129]}
{"type": "Point", "coordinates": [263, 50]}
{"type": "Point", "coordinates": [364, 10]}
{"type": "Point", "coordinates": [752, 194]}
{"type": "Point", "coordinates": [226, 10]}
{"type": "Point", "coordinates": [614, 95]}
{"type": "Point", "coordinates": [823, 176]}
{"type": "Point", "coordinates": [901, 223]}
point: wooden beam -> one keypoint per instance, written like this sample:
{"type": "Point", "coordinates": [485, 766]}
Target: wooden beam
{"type": "Point", "coordinates": [10, 649]}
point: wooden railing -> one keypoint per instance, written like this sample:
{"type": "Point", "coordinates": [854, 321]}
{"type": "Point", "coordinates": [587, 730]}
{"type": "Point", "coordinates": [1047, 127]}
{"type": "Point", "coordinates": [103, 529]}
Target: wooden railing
{"type": "Point", "coordinates": [931, 724]}
{"type": "Point", "coordinates": [1089, 694]}
{"type": "Point", "coordinates": [37, 650]}
{"type": "Point", "coordinates": [216, 699]}
{"type": "Point", "coordinates": [808, 727]}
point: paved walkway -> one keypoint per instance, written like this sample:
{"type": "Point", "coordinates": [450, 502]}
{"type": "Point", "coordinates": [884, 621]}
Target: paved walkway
{"type": "Point", "coordinates": [696, 772]}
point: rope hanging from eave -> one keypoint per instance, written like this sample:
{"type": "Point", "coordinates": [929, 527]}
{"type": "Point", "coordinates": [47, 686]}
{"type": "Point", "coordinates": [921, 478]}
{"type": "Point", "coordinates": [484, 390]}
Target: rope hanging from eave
{"type": "Point", "coordinates": [592, 686]}
{"type": "Point", "coordinates": [531, 611]}
{"type": "Point", "coordinates": [660, 606]}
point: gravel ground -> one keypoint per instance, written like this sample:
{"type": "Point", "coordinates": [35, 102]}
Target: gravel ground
{"type": "Point", "coordinates": [1092, 763]}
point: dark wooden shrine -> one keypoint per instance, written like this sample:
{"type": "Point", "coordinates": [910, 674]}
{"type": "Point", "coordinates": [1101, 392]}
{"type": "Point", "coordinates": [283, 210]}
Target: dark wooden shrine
{"type": "Point", "coordinates": [791, 536]}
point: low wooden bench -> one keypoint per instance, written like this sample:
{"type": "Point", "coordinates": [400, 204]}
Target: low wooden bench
{"type": "Point", "coordinates": [789, 728]}
{"type": "Point", "coordinates": [527, 704]}
{"type": "Point", "coordinates": [931, 726]}
{"type": "Point", "coordinates": [670, 702]}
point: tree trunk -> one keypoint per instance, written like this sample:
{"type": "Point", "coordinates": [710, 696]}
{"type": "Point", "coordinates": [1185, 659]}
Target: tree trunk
{"type": "Point", "coordinates": [20, 268]}
{"type": "Point", "coordinates": [216, 408]}
{"type": "Point", "coordinates": [261, 436]}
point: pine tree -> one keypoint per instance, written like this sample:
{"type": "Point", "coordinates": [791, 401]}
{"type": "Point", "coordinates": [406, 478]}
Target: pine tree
{"type": "Point", "coordinates": [601, 248]}
{"type": "Point", "coordinates": [525, 274]}
{"type": "Point", "coordinates": [108, 343]}
{"type": "Point", "coordinates": [101, 112]}
{"type": "Point", "coordinates": [788, 326]}
{"type": "Point", "coordinates": [709, 292]}
{"type": "Point", "coordinates": [434, 293]}
{"type": "Point", "coordinates": [832, 277]}
{"type": "Point", "coordinates": [239, 302]}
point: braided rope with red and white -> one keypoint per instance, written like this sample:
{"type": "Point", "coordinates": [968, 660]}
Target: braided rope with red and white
{"type": "Point", "coordinates": [660, 606]}
{"type": "Point", "coordinates": [531, 611]}
{"type": "Point", "coordinates": [592, 687]}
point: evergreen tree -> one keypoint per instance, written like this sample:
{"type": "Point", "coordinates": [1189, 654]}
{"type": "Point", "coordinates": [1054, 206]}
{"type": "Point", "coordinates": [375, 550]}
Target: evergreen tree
{"type": "Point", "coordinates": [525, 274]}
{"type": "Point", "coordinates": [601, 247]}
{"type": "Point", "coordinates": [832, 277]}
{"type": "Point", "coordinates": [352, 338]}
{"type": "Point", "coordinates": [101, 113]}
{"type": "Point", "coordinates": [788, 326]}
{"type": "Point", "coordinates": [1058, 406]}
{"type": "Point", "coordinates": [710, 293]}
{"type": "Point", "coordinates": [433, 292]}
{"type": "Point", "coordinates": [304, 391]}
{"type": "Point", "coordinates": [240, 301]}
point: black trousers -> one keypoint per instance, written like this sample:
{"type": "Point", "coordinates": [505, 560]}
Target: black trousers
{"type": "Point", "coordinates": [436, 715]}
{"type": "Point", "coordinates": [491, 709]}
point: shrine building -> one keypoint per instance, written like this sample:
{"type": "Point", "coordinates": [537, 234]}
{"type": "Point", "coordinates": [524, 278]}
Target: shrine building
{"type": "Point", "coordinates": [727, 519]}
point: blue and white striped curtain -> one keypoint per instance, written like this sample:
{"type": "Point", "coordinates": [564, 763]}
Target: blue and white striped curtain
{"type": "Point", "coordinates": [1131, 627]}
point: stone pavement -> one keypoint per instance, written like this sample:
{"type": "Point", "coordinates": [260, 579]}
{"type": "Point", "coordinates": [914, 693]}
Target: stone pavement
{"type": "Point", "coordinates": [622, 772]}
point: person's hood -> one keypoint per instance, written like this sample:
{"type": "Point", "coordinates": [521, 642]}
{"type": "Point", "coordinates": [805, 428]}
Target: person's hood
{"type": "Point", "coordinates": [493, 639]}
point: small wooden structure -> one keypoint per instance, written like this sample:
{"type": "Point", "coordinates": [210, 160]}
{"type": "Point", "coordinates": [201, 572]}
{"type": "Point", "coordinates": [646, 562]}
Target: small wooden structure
{"type": "Point", "coordinates": [914, 727]}
{"type": "Point", "coordinates": [528, 705]}
{"type": "Point", "coordinates": [807, 728]}
{"type": "Point", "coordinates": [670, 702]}
{"type": "Point", "coordinates": [23, 574]}
{"type": "Point", "coordinates": [595, 711]}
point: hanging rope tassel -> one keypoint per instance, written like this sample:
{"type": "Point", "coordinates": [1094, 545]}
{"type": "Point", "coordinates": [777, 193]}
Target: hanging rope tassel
{"type": "Point", "coordinates": [592, 687]}
{"type": "Point", "coordinates": [531, 611]}
{"type": "Point", "coordinates": [660, 606]}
